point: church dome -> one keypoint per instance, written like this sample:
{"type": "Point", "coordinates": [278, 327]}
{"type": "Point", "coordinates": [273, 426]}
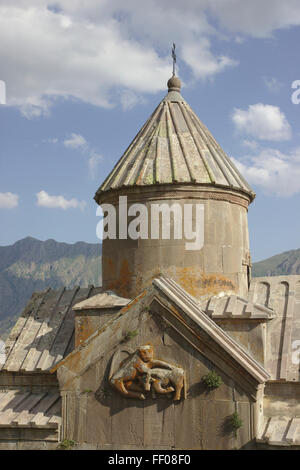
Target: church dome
{"type": "Point", "coordinates": [174, 147]}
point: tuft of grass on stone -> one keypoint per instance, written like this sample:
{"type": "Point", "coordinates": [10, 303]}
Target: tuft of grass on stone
{"type": "Point", "coordinates": [66, 444]}
{"type": "Point", "coordinates": [236, 422]}
{"type": "Point", "coordinates": [212, 380]}
{"type": "Point", "coordinates": [129, 335]}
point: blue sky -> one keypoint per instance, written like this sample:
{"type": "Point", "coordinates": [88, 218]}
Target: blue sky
{"type": "Point", "coordinates": [81, 81]}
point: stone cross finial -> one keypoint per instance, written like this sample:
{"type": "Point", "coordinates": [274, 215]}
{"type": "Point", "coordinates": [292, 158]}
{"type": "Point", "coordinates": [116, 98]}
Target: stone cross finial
{"type": "Point", "coordinates": [174, 58]}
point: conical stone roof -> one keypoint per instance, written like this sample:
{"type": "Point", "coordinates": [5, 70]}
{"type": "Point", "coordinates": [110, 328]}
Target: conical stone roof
{"type": "Point", "coordinates": [174, 147]}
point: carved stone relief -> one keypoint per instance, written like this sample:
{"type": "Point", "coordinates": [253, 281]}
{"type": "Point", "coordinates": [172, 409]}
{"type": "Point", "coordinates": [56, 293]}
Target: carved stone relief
{"type": "Point", "coordinates": [141, 372]}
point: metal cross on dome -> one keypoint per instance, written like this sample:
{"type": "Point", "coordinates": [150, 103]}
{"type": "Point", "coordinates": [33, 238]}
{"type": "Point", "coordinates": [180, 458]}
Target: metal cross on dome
{"type": "Point", "coordinates": [174, 57]}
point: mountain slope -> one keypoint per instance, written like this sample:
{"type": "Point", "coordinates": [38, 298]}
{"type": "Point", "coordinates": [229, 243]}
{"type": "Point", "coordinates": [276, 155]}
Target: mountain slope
{"type": "Point", "coordinates": [32, 265]}
{"type": "Point", "coordinates": [284, 263]}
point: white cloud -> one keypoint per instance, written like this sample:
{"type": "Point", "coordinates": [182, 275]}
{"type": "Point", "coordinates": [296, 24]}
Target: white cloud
{"type": "Point", "coordinates": [75, 141]}
{"type": "Point", "coordinates": [199, 57]}
{"type": "Point", "coordinates": [45, 200]}
{"type": "Point", "coordinates": [129, 99]}
{"type": "Point", "coordinates": [272, 84]}
{"type": "Point", "coordinates": [262, 121]}
{"type": "Point", "coordinates": [156, 18]}
{"type": "Point", "coordinates": [33, 106]}
{"type": "Point", "coordinates": [8, 200]}
{"type": "Point", "coordinates": [251, 144]}
{"type": "Point", "coordinates": [78, 142]}
{"type": "Point", "coordinates": [90, 50]}
{"type": "Point", "coordinates": [256, 18]}
{"type": "Point", "coordinates": [239, 40]}
{"type": "Point", "coordinates": [93, 163]}
{"type": "Point", "coordinates": [275, 172]}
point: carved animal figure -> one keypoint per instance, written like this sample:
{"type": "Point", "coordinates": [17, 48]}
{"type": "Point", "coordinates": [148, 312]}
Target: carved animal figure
{"type": "Point", "coordinates": [166, 380]}
{"type": "Point", "coordinates": [126, 379]}
{"type": "Point", "coordinates": [136, 374]}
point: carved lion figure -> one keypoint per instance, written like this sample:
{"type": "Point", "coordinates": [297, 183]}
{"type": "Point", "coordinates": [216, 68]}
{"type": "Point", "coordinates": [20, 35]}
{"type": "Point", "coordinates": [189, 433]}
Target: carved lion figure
{"type": "Point", "coordinates": [141, 370]}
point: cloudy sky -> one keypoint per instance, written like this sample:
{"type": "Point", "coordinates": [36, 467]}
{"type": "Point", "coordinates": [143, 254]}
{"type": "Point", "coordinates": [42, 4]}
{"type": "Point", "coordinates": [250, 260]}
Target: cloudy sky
{"type": "Point", "coordinates": [82, 77]}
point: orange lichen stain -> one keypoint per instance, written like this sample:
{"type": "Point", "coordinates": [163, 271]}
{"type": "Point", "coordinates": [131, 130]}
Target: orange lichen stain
{"type": "Point", "coordinates": [174, 310]}
{"type": "Point", "coordinates": [83, 329]}
{"type": "Point", "coordinates": [109, 267]}
{"type": "Point", "coordinates": [73, 361]}
{"type": "Point", "coordinates": [83, 348]}
{"type": "Point", "coordinates": [198, 283]}
{"type": "Point", "coordinates": [122, 285]}
{"type": "Point", "coordinates": [76, 360]}
{"type": "Point", "coordinates": [133, 302]}
{"type": "Point", "coordinates": [142, 282]}
{"type": "Point", "coordinates": [192, 279]}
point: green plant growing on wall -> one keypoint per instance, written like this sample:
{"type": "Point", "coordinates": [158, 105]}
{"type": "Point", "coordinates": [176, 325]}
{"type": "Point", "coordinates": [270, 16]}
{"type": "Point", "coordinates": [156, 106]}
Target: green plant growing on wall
{"type": "Point", "coordinates": [212, 380]}
{"type": "Point", "coordinates": [129, 335]}
{"type": "Point", "coordinates": [236, 422]}
{"type": "Point", "coordinates": [66, 444]}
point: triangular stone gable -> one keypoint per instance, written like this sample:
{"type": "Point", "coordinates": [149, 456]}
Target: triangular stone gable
{"type": "Point", "coordinates": [182, 335]}
{"type": "Point", "coordinates": [213, 342]}
{"type": "Point", "coordinates": [176, 310]}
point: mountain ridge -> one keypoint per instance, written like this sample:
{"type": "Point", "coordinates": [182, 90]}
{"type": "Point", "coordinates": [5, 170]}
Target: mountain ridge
{"type": "Point", "coordinates": [31, 265]}
{"type": "Point", "coordinates": [287, 263]}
